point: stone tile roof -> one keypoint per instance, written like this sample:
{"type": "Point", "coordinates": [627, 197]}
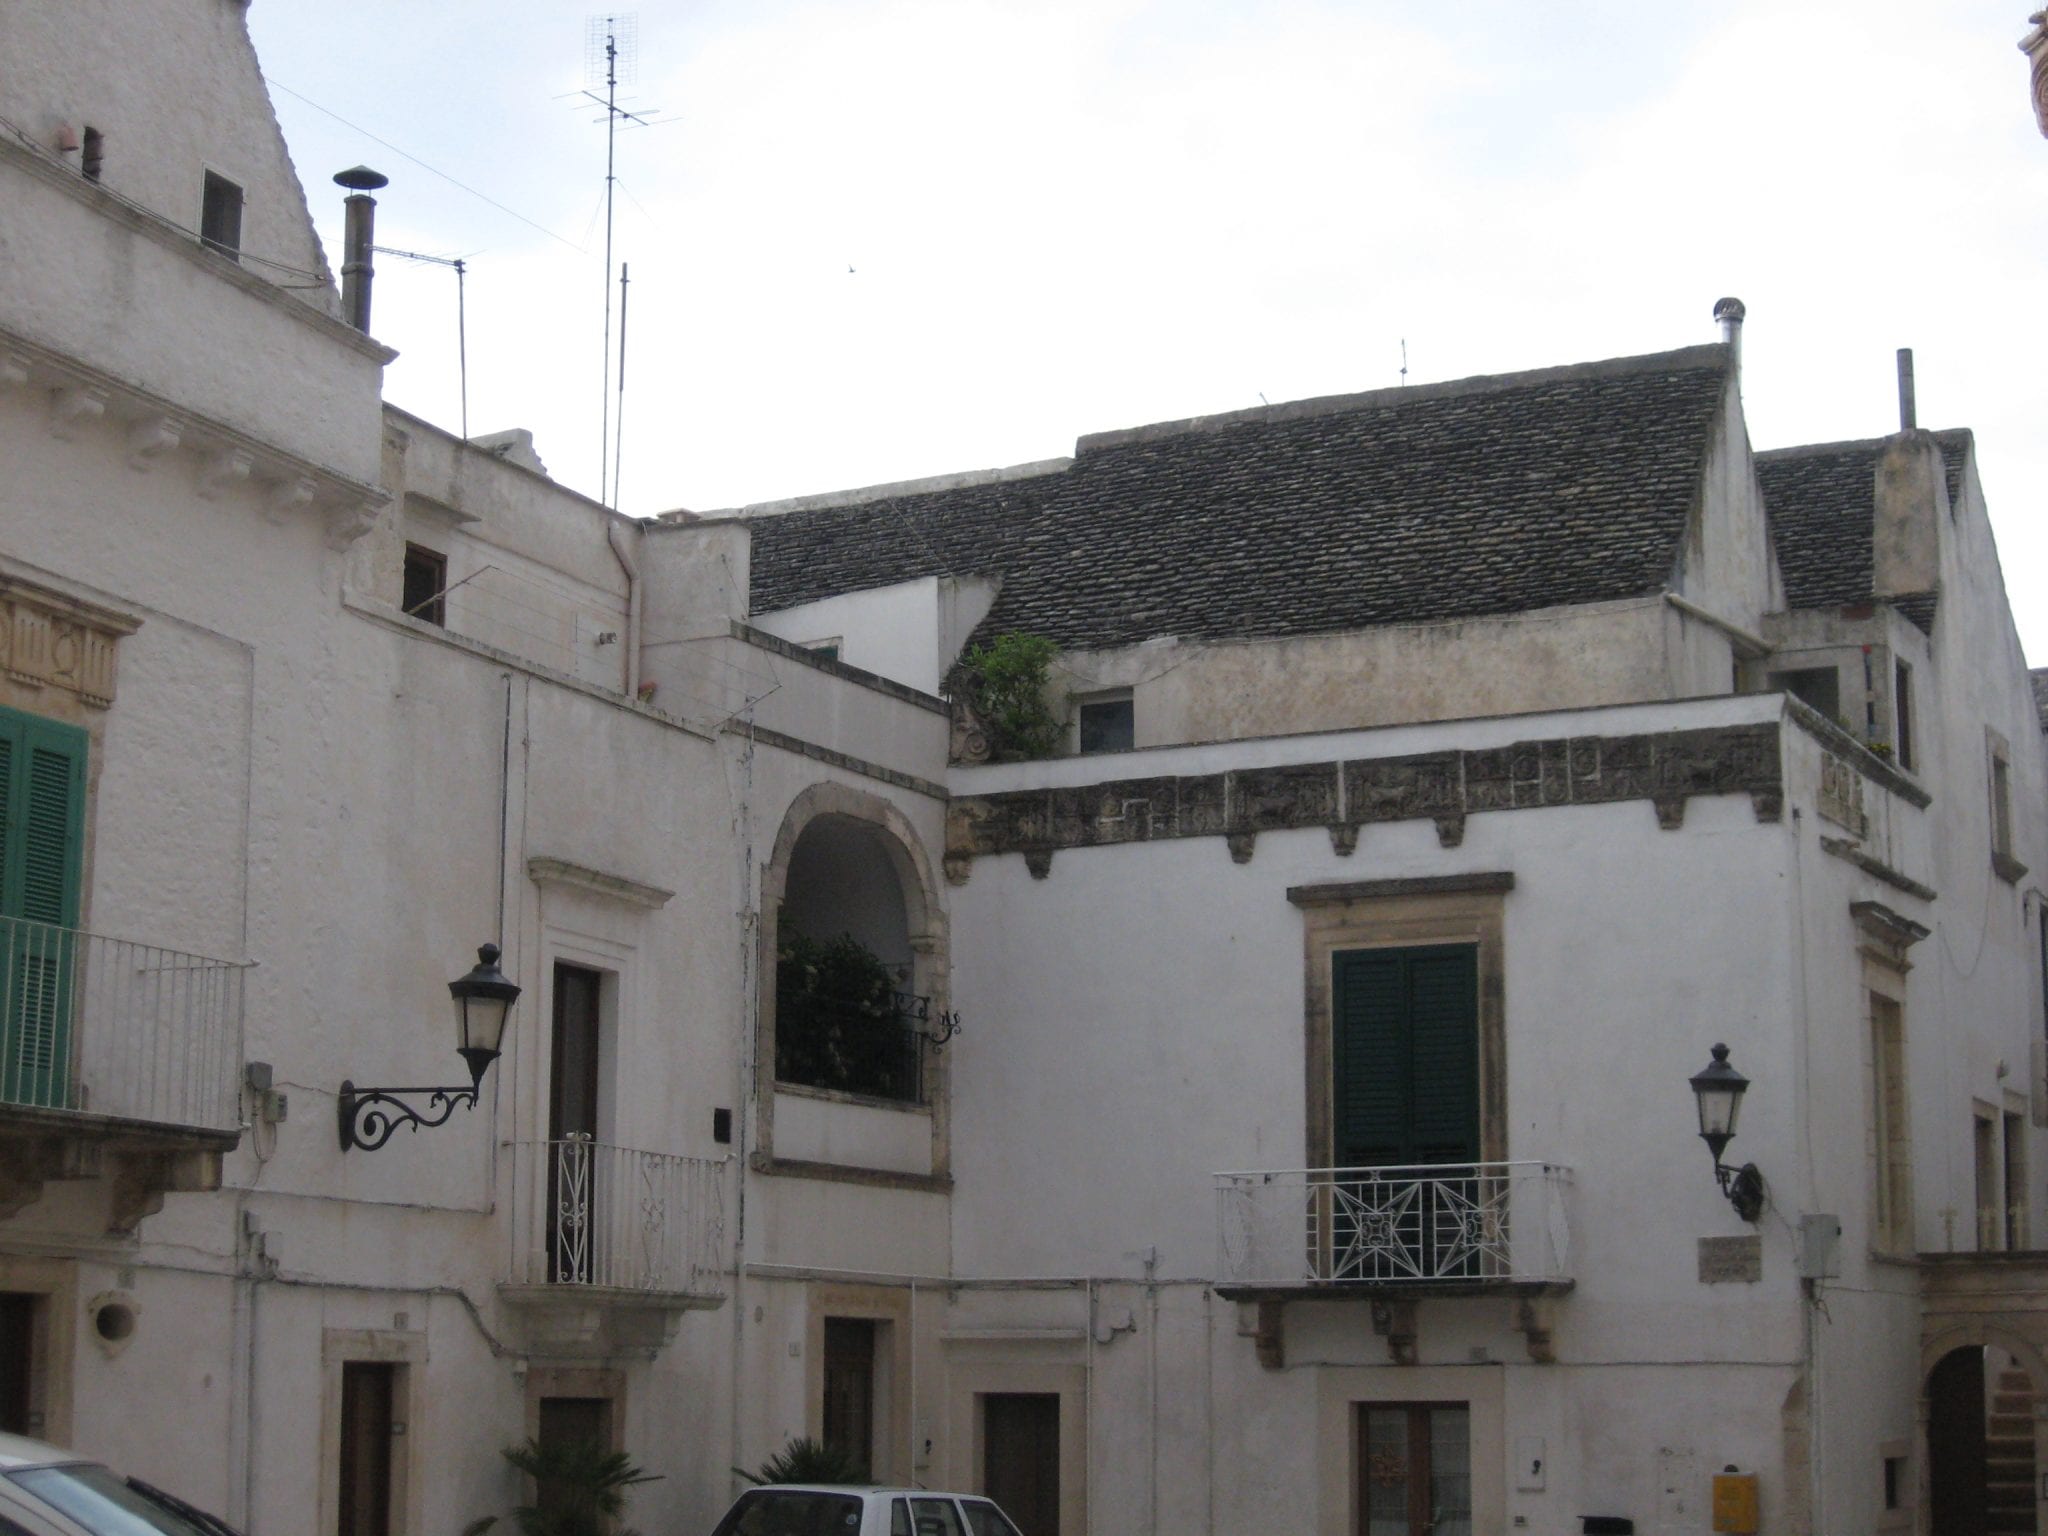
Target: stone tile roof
{"type": "Point", "coordinates": [2039, 678]}
{"type": "Point", "coordinates": [1822, 499]}
{"type": "Point", "coordinates": [1482, 496]}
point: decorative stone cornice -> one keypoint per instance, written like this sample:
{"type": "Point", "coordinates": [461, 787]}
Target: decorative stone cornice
{"type": "Point", "coordinates": [155, 431]}
{"type": "Point", "coordinates": [546, 871]}
{"type": "Point", "coordinates": [1886, 934]}
{"type": "Point", "coordinates": [2035, 46]}
{"type": "Point", "coordinates": [48, 639]}
{"type": "Point", "coordinates": [1665, 768]}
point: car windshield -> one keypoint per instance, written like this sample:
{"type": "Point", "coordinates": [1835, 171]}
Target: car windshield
{"type": "Point", "coordinates": [98, 1500]}
{"type": "Point", "coordinates": [792, 1512]}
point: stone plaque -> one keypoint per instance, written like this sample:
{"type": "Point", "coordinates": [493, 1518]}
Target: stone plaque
{"type": "Point", "coordinates": [1725, 1259]}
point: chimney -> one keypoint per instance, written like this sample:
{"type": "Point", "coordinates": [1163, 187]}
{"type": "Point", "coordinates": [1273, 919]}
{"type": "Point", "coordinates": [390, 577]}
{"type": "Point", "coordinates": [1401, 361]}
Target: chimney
{"type": "Point", "coordinates": [1730, 312]}
{"type": "Point", "coordinates": [1908, 416]}
{"type": "Point", "coordinates": [359, 238]}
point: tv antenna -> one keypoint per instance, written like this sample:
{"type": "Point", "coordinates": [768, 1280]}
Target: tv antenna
{"type": "Point", "coordinates": [1404, 362]}
{"type": "Point", "coordinates": [461, 317]}
{"type": "Point", "coordinates": [611, 58]}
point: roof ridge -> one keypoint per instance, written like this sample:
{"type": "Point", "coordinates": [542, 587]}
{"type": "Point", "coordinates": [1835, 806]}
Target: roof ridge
{"type": "Point", "coordinates": [958, 480]}
{"type": "Point", "coordinates": [1708, 354]}
{"type": "Point", "coordinates": [1802, 450]}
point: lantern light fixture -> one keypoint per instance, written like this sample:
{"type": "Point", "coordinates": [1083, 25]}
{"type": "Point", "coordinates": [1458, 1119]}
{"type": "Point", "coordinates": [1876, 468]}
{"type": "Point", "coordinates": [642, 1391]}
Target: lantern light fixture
{"type": "Point", "coordinates": [1718, 1089]}
{"type": "Point", "coordinates": [483, 1001]}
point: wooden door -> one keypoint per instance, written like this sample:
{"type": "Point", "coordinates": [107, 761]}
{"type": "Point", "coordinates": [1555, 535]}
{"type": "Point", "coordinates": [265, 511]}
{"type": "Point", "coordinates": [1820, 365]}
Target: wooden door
{"type": "Point", "coordinates": [573, 1166]}
{"type": "Point", "coordinates": [366, 1425]}
{"type": "Point", "coordinates": [1414, 1469]}
{"type": "Point", "coordinates": [17, 1361]}
{"type": "Point", "coordinates": [1020, 1458]}
{"type": "Point", "coordinates": [849, 1409]}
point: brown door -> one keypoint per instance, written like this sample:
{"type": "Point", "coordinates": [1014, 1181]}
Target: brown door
{"type": "Point", "coordinates": [1020, 1458]}
{"type": "Point", "coordinates": [1414, 1469]}
{"type": "Point", "coordinates": [365, 1497]}
{"type": "Point", "coordinates": [849, 1416]}
{"type": "Point", "coordinates": [569, 1425]}
{"type": "Point", "coordinates": [17, 1360]}
{"type": "Point", "coordinates": [1956, 1445]}
{"type": "Point", "coordinates": [573, 1231]}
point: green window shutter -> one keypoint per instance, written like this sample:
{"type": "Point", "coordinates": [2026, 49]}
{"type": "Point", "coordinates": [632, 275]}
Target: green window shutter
{"type": "Point", "coordinates": [1405, 1056]}
{"type": "Point", "coordinates": [42, 841]}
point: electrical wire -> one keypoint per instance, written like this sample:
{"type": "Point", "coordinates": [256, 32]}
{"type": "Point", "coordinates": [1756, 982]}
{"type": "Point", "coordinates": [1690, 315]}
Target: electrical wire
{"type": "Point", "coordinates": [276, 84]}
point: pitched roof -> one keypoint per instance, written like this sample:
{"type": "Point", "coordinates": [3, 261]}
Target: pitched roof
{"type": "Point", "coordinates": [1822, 499]}
{"type": "Point", "coordinates": [1483, 496]}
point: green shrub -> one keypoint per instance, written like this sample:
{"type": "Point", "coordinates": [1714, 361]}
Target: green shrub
{"type": "Point", "coordinates": [805, 1460]}
{"type": "Point", "coordinates": [1005, 684]}
{"type": "Point", "coordinates": [837, 1021]}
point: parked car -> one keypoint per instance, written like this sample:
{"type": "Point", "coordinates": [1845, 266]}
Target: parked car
{"type": "Point", "coordinates": [45, 1491]}
{"type": "Point", "coordinates": [806, 1509]}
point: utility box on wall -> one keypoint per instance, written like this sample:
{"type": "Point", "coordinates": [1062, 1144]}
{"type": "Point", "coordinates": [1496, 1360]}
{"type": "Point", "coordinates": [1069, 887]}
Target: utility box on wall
{"type": "Point", "coordinates": [1735, 1503]}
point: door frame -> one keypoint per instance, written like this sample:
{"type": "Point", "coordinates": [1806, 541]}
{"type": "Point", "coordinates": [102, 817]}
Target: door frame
{"type": "Point", "coordinates": [1403, 914]}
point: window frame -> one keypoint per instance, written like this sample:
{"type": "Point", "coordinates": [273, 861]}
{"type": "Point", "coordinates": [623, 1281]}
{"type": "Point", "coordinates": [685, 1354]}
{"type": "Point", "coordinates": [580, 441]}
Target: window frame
{"type": "Point", "coordinates": [223, 203]}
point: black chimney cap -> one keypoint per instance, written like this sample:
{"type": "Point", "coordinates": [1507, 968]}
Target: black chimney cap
{"type": "Point", "coordinates": [1724, 309]}
{"type": "Point", "coordinates": [360, 178]}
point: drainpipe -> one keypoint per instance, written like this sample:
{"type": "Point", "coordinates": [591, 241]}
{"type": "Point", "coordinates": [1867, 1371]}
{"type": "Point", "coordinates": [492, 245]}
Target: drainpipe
{"type": "Point", "coordinates": [630, 564]}
{"type": "Point", "coordinates": [358, 239]}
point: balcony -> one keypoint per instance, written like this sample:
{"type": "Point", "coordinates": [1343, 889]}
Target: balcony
{"type": "Point", "coordinates": [1394, 1236]}
{"type": "Point", "coordinates": [611, 1244]}
{"type": "Point", "coordinates": [113, 1050]}
{"type": "Point", "coordinates": [869, 1046]}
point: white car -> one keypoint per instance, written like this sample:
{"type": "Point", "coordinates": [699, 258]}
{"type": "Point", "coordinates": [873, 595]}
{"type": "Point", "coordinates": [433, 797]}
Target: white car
{"type": "Point", "coordinates": [810, 1509]}
{"type": "Point", "coordinates": [45, 1491]}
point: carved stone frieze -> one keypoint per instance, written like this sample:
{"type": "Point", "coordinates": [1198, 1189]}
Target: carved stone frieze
{"type": "Point", "coordinates": [970, 740]}
{"type": "Point", "coordinates": [1666, 768]}
{"type": "Point", "coordinates": [49, 640]}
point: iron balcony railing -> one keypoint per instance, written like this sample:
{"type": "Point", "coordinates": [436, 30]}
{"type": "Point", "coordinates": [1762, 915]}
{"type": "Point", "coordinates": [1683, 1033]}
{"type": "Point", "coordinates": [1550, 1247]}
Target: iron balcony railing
{"type": "Point", "coordinates": [588, 1213]}
{"type": "Point", "coordinates": [1433, 1224]}
{"type": "Point", "coordinates": [875, 1047]}
{"type": "Point", "coordinates": [109, 1027]}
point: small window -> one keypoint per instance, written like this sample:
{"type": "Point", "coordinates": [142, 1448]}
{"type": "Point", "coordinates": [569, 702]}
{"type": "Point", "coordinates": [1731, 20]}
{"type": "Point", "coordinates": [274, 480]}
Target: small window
{"type": "Point", "coordinates": [1818, 686]}
{"type": "Point", "coordinates": [1892, 1228]}
{"type": "Point", "coordinates": [824, 650]}
{"type": "Point", "coordinates": [1107, 724]}
{"type": "Point", "coordinates": [1902, 713]}
{"type": "Point", "coordinates": [2008, 868]}
{"type": "Point", "coordinates": [1895, 1482]}
{"type": "Point", "coordinates": [426, 584]}
{"type": "Point", "coordinates": [220, 216]}
{"type": "Point", "coordinates": [95, 156]}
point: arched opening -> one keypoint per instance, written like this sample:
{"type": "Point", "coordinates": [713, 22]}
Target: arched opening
{"type": "Point", "coordinates": [846, 965]}
{"type": "Point", "coordinates": [1980, 1443]}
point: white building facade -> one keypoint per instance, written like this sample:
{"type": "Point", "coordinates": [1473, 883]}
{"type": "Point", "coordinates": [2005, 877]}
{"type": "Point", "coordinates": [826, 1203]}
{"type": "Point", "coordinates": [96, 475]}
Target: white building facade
{"type": "Point", "coordinates": [1275, 1116]}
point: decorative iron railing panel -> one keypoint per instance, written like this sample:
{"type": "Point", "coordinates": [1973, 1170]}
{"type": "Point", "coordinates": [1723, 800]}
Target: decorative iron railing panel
{"type": "Point", "coordinates": [1435, 1224]}
{"type": "Point", "coordinates": [588, 1213]}
{"type": "Point", "coordinates": [111, 1027]}
{"type": "Point", "coordinates": [873, 1047]}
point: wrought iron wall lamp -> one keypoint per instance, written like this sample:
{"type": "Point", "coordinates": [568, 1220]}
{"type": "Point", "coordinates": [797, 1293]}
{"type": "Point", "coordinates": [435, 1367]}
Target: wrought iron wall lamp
{"type": "Point", "coordinates": [1718, 1088]}
{"type": "Point", "coordinates": [483, 1001]}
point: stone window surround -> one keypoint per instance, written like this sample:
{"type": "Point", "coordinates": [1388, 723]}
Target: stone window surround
{"type": "Point", "coordinates": [406, 1349]}
{"type": "Point", "coordinates": [1402, 913]}
{"type": "Point", "coordinates": [55, 1337]}
{"type": "Point", "coordinates": [925, 918]}
{"type": "Point", "coordinates": [890, 1307]}
{"type": "Point", "coordinates": [1342, 1390]}
{"type": "Point", "coordinates": [1056, 1366]}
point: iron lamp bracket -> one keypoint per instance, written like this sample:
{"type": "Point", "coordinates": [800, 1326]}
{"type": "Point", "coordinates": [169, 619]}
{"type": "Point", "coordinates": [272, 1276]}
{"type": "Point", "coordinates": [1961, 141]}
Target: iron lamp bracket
{"type": "Point", "coordinates": [1744, 1188]}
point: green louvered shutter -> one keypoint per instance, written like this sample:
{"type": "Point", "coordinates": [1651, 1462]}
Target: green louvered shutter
{"type": "Point", "coordinates": [1406, 1056]}
{"type": "Point", "coordinates": [42, 834]}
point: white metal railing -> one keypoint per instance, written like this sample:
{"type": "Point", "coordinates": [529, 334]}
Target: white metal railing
{"type": "Point", "coordinates": [588, 1213]}
{"type": "Point", "coordinates": [90, 1023]}
{"type": "Point", "coordinates": [1440, 1223]}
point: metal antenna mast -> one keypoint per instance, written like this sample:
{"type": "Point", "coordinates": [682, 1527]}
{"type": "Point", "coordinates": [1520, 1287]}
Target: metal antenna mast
{"type": "Point", "coordinates": [614, 45]}
{"type": "Point", "coordinates": [461, 317]}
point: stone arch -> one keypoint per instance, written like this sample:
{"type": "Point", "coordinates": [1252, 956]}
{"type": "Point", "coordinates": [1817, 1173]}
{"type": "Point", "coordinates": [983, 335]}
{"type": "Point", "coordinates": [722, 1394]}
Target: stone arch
{"type": "Point", "coordinates": [853, 819]}
{"type": "Point", "coordinates": [1939, 1349]}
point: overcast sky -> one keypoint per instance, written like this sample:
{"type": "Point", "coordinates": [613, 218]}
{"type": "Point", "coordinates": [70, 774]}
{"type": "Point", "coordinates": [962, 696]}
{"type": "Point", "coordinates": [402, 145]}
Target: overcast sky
{"type": "Point", "coordinates": [872, 240]}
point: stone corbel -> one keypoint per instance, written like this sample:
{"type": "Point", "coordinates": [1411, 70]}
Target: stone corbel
{"type": "Point", "coordinates": [292, 494]}
{"type": "Point", "coordinates": [1269, 1338]}
{"type": "Point", "coordinates": [1241, 845]}
{"type": "Point", "coordinates": [224, 471]}
{"type": "Point", "coordinates": [13, 370]}
{"type": "Point", "coordinates": [350, 522]}
{"type": "Point", "coordinates": [141, 1180]}
{"type": "Point", "coordinates": [1393, 1319]}
{"type": "Point", "coordinates": [1038, 861]}
{"type": "Point", "coordinates": [1344, 839]}
{"type": "Point", "coordinates": [151, 438]}
{"type": "Point", "coordinates": [1670, 811]}
{"type": "Point", "coordinates": [959, 867]}
{"type": "Point", "coordinates": [1450, 829]}
{"type": "Point", "coordinates": [76, 408]}
{"type": "Point", "coordinates": [1532, 1321]}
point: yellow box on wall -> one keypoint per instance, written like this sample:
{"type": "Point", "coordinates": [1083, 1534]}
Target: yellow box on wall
{"type": "Point", "coordinates": [1735, 1503]}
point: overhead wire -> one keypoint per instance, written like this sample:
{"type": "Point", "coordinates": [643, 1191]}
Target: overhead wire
{"type": "Point", "coordinates": [431, 170]}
